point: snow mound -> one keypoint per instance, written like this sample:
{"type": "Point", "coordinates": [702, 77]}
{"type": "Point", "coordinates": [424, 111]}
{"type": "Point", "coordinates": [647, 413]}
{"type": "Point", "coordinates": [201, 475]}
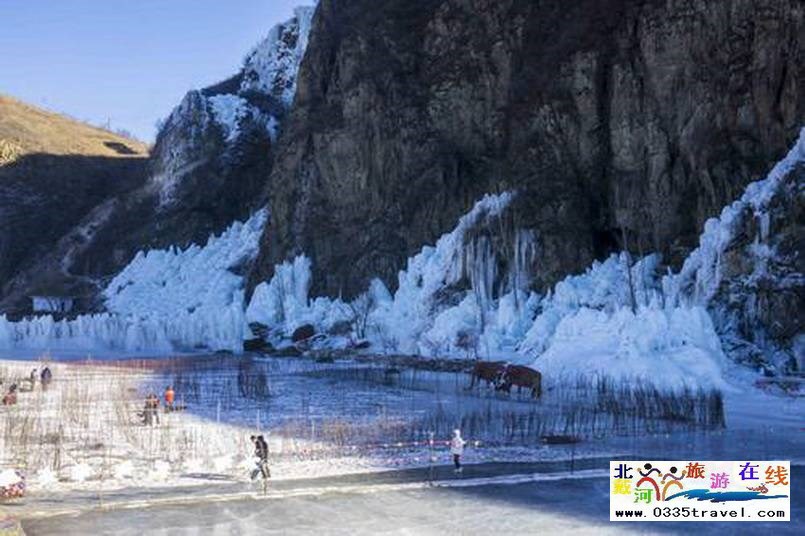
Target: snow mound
{"type": "Point", "coordinates": [9, 477]}
{"type": "Point", "coordinates": [669, 348]}
{"type": "Point", "coordinates": [46, 477]}
{"type": "Point", "coordinates": [80, 472]}
{"type": "Point", "coordinates": [124, 470]}
{"type": "Point", "coordinates": [193, 465]}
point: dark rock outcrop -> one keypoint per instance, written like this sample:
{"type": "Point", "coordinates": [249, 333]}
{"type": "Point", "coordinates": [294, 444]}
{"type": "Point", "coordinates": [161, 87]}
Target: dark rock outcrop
{"type": "Point", "coordinates": [622, 124]}
{"type": "Point", "coordinates": [303, 333]}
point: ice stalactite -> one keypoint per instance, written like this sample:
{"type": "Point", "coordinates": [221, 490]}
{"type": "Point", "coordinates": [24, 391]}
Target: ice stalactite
{"type": "Point", "coordinates": [458, 278]}
{"type": "Point", "coordinates": [524, 259]}
{"type": "Point", "coordinates": [481, 268]}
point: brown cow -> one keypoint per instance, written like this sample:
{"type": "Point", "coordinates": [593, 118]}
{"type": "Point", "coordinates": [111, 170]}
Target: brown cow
{"type": "Point", "coordinates": [488, 371]}
{"type": "Point", "coordinates": [521, 376]}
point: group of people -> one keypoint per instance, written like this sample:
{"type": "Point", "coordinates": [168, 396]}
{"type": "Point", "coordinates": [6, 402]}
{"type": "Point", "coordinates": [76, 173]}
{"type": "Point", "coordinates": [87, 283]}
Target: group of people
{"type": "Point", "coordinates": [45, 377]}
{"type": "Point", "coordinates": [151, 407]}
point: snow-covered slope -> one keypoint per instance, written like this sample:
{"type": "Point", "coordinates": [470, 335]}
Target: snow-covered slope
{"type": "Point", "coordinates": [231, 122]}
{"type": "Point", "coordinates": [269, 70]}
{"type": "Point", "coordinates": [271, 67]}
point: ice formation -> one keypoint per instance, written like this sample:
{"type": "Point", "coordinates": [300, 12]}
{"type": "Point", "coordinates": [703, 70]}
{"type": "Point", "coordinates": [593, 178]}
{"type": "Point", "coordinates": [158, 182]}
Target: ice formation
{"type": "Point", "coordinates": [603, 287]}
{"type": "Point", "coordinates": [413, 320]}
{"type": "Point", "coordinates": [163, 301]}
{"type": "Point", "coordinates": [613, 319]}
{"type": "Point", "coordinates": [700, 276]}
{"type": "Point", "coordinates": [283, 303]}
{"type": "Point", "coordinates": [414, 310]}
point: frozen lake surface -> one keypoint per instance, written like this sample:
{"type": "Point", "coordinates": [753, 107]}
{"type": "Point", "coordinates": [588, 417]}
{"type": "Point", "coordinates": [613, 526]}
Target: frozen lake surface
{"type": "Point", "coordinates": [338, 432]}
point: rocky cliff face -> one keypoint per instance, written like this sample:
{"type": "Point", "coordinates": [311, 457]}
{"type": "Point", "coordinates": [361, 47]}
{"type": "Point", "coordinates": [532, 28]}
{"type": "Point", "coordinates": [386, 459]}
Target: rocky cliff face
{"type": "Point", "coordinates": [621, 124]}
{"type": "Point", "coordinates": [212, 154]}
{"type": "Point", "coordinates": [207, 169]}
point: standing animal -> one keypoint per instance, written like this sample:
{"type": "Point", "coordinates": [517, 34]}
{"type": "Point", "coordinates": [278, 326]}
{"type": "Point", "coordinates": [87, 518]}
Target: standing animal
{"type": "Point", "coordinates": [521, 377]}
{"type": "Point", "coordinates": [487, 371]}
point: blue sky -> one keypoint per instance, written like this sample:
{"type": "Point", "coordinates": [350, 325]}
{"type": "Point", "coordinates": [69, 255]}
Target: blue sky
{"type": "Point", "coordinates": [128, 62]}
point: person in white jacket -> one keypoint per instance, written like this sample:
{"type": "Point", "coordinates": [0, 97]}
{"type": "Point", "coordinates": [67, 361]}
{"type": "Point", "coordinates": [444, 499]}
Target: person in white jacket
{"type": "Point", "coordinates": [457, 449]}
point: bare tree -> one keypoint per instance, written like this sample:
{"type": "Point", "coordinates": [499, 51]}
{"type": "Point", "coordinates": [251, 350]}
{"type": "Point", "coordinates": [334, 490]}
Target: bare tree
{"type": "Point", "coordinates": [361, 307]}
{"type": "Point", "coordinates": [627, 215]}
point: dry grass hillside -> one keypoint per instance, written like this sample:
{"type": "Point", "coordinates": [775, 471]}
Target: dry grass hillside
{"type": "Point", "coordinates": [25, 129]}
{"type": "Point", "coordinates": [59, 178]}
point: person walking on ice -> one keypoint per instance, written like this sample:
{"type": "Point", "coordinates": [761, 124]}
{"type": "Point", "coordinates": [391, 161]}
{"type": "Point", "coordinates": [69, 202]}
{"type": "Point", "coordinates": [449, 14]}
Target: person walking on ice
{"type": "Point", "coordinates": [457, 449]}
{"type": "Point", "coordinates": [261, 453]}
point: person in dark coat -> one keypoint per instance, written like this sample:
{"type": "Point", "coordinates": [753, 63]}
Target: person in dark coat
{"type": "Point", "coordinates": [46, 376]}
{"type": "Point", "coordinates": [261, 453]}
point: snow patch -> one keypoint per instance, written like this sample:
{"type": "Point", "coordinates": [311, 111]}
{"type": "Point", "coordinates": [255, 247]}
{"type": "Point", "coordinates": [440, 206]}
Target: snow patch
{"type": "Point", "coordinates": [124, 470]}
{"type": "Point", "coordinates": [9, 477]}
{"type": "Point", "coordinates": [272, 66]}
{"type": "Point", "coordinates": [80, 472]}
{"type": "Point", "coordinates": [228, 111]}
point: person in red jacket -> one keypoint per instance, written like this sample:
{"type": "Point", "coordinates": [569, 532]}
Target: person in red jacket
{"type": "Point", "coordinates": [170, 396]}
{"type": "Point", "coordinates": [10, 398]}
